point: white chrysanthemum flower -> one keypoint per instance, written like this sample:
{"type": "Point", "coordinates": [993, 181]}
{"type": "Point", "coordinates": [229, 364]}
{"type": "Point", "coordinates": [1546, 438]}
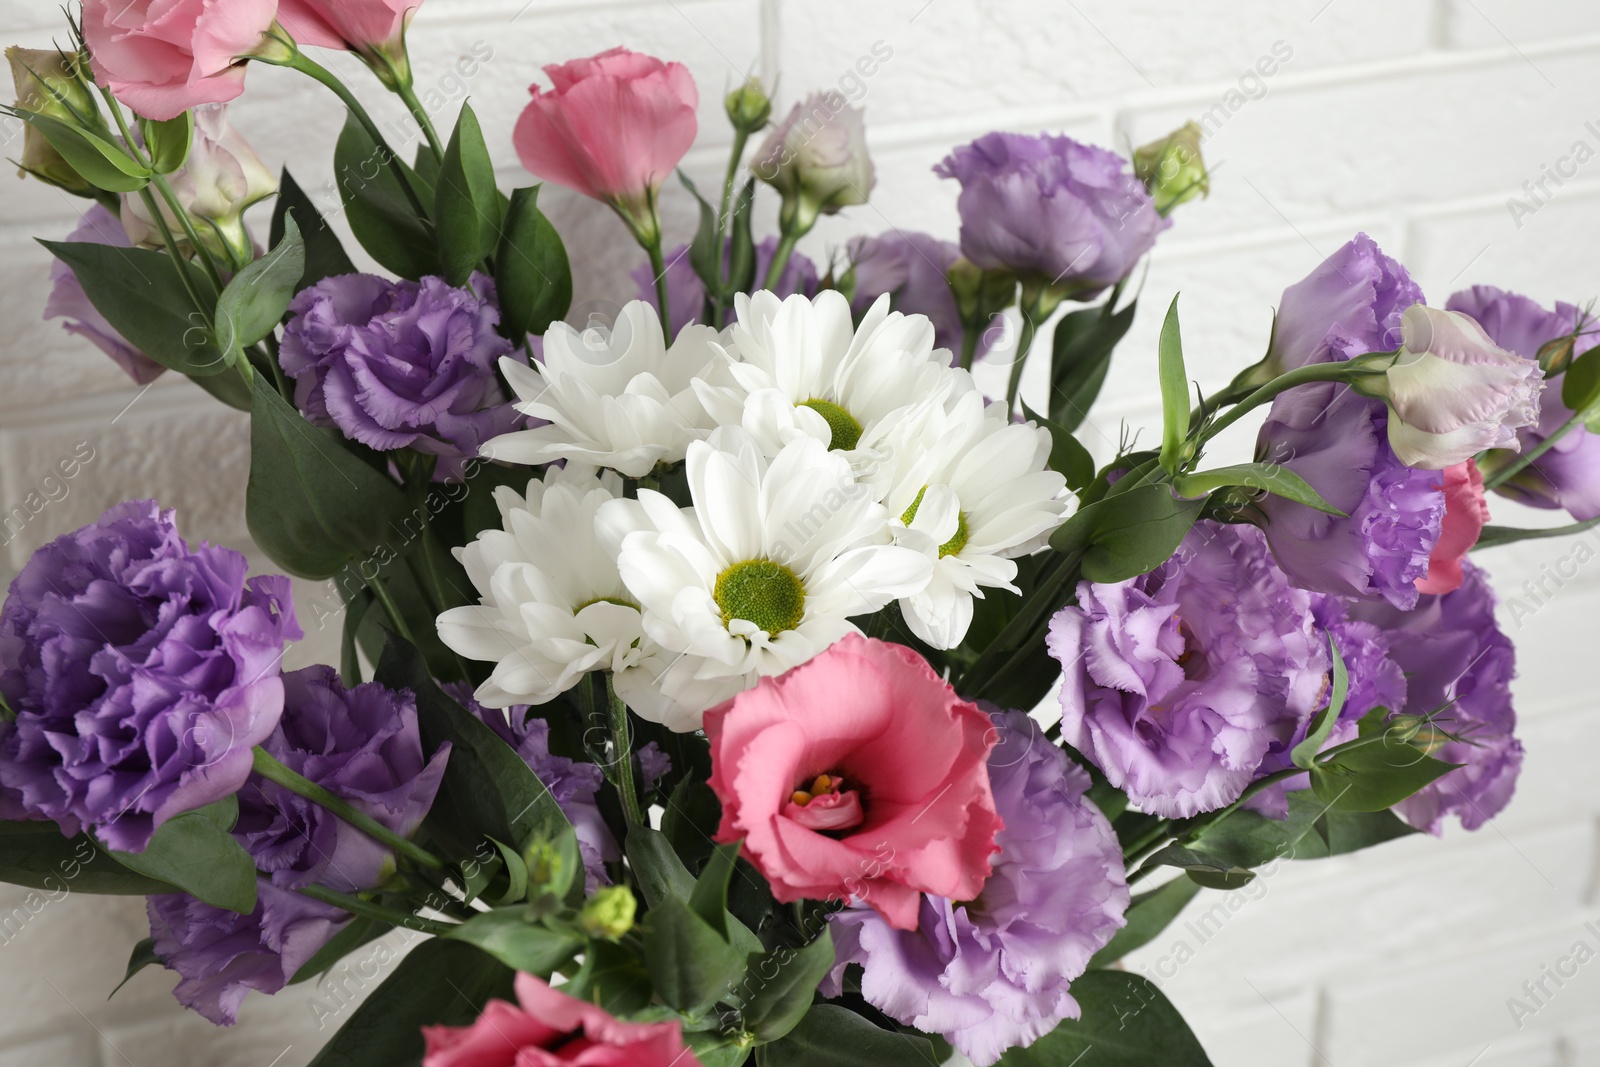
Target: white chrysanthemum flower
{"type": "Point", "coordinates": [552, 606]}
{"type": "Point", "coordinates": [973, 492]}
{"type": "Point", "coordinates": [764, 571]}
{"type": "Point", "coordinates": [800, 367]}
{"type": "Point", "coordinates": [621, 399]}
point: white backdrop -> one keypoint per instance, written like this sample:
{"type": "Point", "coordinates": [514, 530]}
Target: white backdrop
{"type": "Point", "coordinates": [1414, 120]}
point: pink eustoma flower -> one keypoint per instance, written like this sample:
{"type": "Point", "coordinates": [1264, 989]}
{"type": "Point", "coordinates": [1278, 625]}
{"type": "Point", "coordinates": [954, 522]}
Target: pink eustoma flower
{"type": "Point", "coordinates": [547, 1028]}
{"type": "Point", "coordinates": [613, 127]}
{"type": "Point", "coordinates": [858, 775]}
{"type": "Point", "coordinates": [162, 57]}
{"type": "Point", "coordinates": [1465, 513]}
{"type": "Point", "coordinates": [354, 25]}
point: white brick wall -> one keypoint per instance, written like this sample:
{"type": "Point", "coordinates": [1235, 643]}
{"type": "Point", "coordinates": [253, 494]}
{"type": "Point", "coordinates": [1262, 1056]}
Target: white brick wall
{"type": "Point", "coordinates": [1413, 120]}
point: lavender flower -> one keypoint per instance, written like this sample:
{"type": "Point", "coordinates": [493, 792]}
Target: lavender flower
{"type": "Point", "coordinates": [400, 364]}
{"type": "Point", "coordinates": [141, 671]}
{"type": "Point", "coordinates": [362, 744]}
{"type": "Point", "coordinates": [1178, 683]}
{"type": "Point", "coordinates": [686, 293]}
{"type": "Point", "coordinates": [993, 973]}
{"type": "Point", "coordinates": [915, 268]}
{"type": "Point", "coordinates": [1458, 668]}
{"type": "Point", "coordinates": [1052, 209]}
{"type": "Point", "coordinates": [1338, 441]}
{"type": "Point", "coordinates": [1568, 474]}
{"type": "Point", "coordinates": [68, 300]}
{"type": "Point", "coordinates": [574, 785]}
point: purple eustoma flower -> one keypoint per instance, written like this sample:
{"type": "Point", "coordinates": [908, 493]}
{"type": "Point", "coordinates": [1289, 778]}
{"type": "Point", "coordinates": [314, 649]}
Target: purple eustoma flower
{"type": "Point", "coordinates": [141, 672]}
{"type": "Point", "coordinates": [914, 268]}
{"type": "Point", "coordinates": [1338, 441]}
{"type": "Point", "coordinates": [1052, 209]}
{"type": "Point", "coordinates": [1178, 683]}
{"type": "Point", "coordinates": [993, 973]}
{"type": "Point", "coordinates": [686, 293]}
{"type": "Point", "coordinates": [68, 300]}
{"type": "Point", "coordinates": [1458, 667]}
{"type": "Point", "coordinates": [1568, 474]}
{"type": "Point", "coordinates": [400, 364]}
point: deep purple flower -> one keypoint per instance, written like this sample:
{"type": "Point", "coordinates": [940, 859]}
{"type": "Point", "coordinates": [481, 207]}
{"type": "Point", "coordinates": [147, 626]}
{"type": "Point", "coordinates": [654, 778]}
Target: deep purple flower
{"type": "Point", "coordinates": [574, 785]}
{"type": "Point", "coordinates": [686, 293]}
{"type": "Point", "coordinates": [363, 745]}
{"type": "Point", "coordinates": [400, 364]}
{"type": "Point", "coordinates": [1178, 683]}
{"type": "Point", "coordinates": [654, 765]}
{"type": "Point", "coordinates": [993, 973]}
{"type": "Point", "coordinates": [915, 268]}
{"type": "Point", "coordinates": [1052, 208]}
{"type": "Point", "coordinates": [68, 301]}
{"type": "Point", "coordinates": [141, 672]}
{"type": "Point", "coordinates": [1338, 441]}
{"type": "Point", "coordinates": [1458, 668]}
{"type": "Point", "coordinates": [1375, 680]}
{"type": "Point", "coordinates": [221, 955]}
{"type": "Point", "coordinates": [1568, 475]}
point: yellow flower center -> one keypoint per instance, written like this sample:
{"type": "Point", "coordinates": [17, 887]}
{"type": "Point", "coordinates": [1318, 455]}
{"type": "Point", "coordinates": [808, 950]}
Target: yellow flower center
{"type": "Point", "coordinates": [843, 425]}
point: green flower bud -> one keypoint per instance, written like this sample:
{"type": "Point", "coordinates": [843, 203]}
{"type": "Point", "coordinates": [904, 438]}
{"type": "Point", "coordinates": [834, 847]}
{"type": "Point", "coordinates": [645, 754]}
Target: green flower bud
{"type": "Point", "coordinates": [1173, 169]}
{"type": "Point", "coordinates": [980, 294]}
{"type": "Point", "coordinates": [749, 107]}
{"type": "Point", "coordinates": [48, 84]}
{"type": "Point", "coordinates": [609, 913]}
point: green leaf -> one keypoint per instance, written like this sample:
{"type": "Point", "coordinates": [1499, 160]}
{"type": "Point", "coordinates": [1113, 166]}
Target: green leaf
{"type": "Point", "coordinates": [1244, 839]}
{"type": "Point", "coordinates": [508, 936]}
{"type": "Point", "coordinates": [195, 854]}
{"type": "Point", "coordinates": [1080, 356]}
{"type": "Point", "coordinates": [704, 255]}
{"type": "Point", "coordinates": [659, 872]}
{"type": "Point", "coordinates": [467, 203]}
{"type": "Point", "coordinates": [1126, 1022]}
{"type": "Point", "coordinates": [325, 256]}
{"type": "Point", "coordinates": [1376, 776]}
{"type": "Point", "coordinates": [532, 274]}
{"type": "Point", "coordinates": [356, 933]}
{"type": "Point", "coordinates": [256, 299]}
{"type": "Point", "coordinates": [785, 981]}
{"type": "Point", "coordinates": [143, 955]}
{"type": "Point", "coordinates": [1351, 831]}
{"type": "Point", "coordinates": [377, 208]}
{"type": "Point", "coordinates": [516, 873]}
{"type": "Point", "coordinates": [101, 163]}
{"type": "Point", "coordinates": [311, 504]}
{"type": "Point", "coordinates": [1266, 477]}
{"type": "Point", "coordinates": [141, 295]}
{"type": "Point", "coordinates": [1068, 457]}
{"type": "Point", "coordinates": [168, 142]}
{"type": "Point", "coordinates": [37, 855]}
{"type": "Point", "coordinates": [742, 253]}
{"type": "Point", "coordinates": [440, 983]}
{"type": "Point", "coordinates": [1580, 386]}
{"type": "Point", "coordinates": [1305, 753]}
{"type": "Point", "coordinates": [1505, 535]}
{"type": "Point", "coordinates": [691, 965]}
{"type": "Point", "coordinates": [1148, 915]}
{"type": "Point", "coordinates": [832, 1036]}
{"type": "Point", "coordinates": [1128, 534]}
{"type": "Point", "coordinates": [488, 790]}
{"type": "Point", "coordinates": [709, 900]}
{"type": "Point", "coordinates": [1174, 393]}
{"type": "Point", "coordinates": [613, 978]}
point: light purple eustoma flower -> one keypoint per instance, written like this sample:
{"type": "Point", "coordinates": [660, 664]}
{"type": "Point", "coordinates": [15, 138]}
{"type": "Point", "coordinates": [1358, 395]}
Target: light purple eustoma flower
{"type": "Point", "coordinates": [686, 293]}
{"type": "Point", "coordinates": [400, 364]}
{"type": "Point", "coordinates": [914, 268]}
{"type": "Point", "coordinates": [1052, 209]}
{"type": "Point", "coordinates": [1458, 667]}
{"type": "Point", "coordinates": [1568, 474]}
{"type": "Point", "coordinates": [1178, 683]}
{"type": "Point", "coordinates": [68, 301]}
{"type": "Point", "coordinates": [141, 671]}
{"type": "Point", "coordinates": [1337, 440]}
{"type": "Point", "coordinates": [993, 973]}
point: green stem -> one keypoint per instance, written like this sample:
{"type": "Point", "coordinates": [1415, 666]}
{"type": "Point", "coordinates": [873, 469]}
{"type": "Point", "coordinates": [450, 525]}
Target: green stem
{"type": "Point", "coordinates": [178, 262]}
{"type": "Point", "coordinates": [404, 90]}
{"type": "Point", "coordinates": [1527, 459]}
{"type": "Point", "coordinates": [390, 608]}
{"type": "Point", "coordinates": [780, 259]}
{"type": "Point", "coordinates": [1017, 632]}
{"type": "Point", "coordinates": [1030, 328]}
{"type": "Point", "coordinates": [735, 156]}
{"type": "Point", "coordinates": [971, 334]}
{"type": "Point", "coordinates": [273, 771]}
{"type": "Point", "coordinates": [182, 215]}
{"type": "Point", "coordinates": [658, 267]}
{"type": "Point", "coordinates": [310, 67]}
{"type": "Point", "coordinates": [1317, 372]}
{"type": "Point", "coordinates": [367, 909]}
{"type": "Point", "coordinates": [622, 755]}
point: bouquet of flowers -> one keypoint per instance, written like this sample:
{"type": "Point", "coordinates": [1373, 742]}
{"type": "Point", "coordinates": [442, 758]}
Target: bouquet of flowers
{"type": "Point", "coordinates": [735, 681]}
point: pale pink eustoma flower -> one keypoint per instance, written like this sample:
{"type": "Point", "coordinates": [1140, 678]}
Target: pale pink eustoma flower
{"type": "Point", "coordinates": [353, 25]}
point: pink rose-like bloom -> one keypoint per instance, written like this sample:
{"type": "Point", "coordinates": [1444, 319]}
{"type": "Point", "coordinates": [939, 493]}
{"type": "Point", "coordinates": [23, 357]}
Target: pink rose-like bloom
{"type": "Point", "coordinates": [612, 128]}
{"type": "Point", "coordinates": [162, 57]}
{"type": "Point", "coordinates": [547, 1028]}
{"type": "Point", "coordinates": [1465, 513]}
{"type": "Point", "coordinates": [355, 25]}
{"type": "Point", "coordinates": [859, 774]}
{"type": "Point", "coordinates": [1452, 392]}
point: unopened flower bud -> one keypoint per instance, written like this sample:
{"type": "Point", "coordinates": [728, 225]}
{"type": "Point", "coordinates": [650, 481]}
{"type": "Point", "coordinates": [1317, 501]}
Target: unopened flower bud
{"type": "Point", "coordinates": [817, 159]}
{"type": "Point", "coordinates": [609, 913]}
{"type": "Point", "coordinates": [47, 84]}
{"type": "Point", "coordinates": [980, 294]}
{"type": "Point", "coordinates": [1173, 169]}
{"type": "Point", "coordinates": [546, 865]}
{"type": "Point", "coordinates": [749, 107]}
